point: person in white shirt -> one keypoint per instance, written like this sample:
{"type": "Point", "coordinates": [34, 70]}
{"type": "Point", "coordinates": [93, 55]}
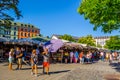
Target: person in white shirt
{"type": "Point", "coordinates": [11, 53]}
{"type": "Point", "coordinates": [71, 56]}
{"type": "Point", "coordinates": [102, 55]}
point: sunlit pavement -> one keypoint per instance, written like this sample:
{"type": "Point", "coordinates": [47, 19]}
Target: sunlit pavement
{"type": "Point", "coordinates": [101, 70]}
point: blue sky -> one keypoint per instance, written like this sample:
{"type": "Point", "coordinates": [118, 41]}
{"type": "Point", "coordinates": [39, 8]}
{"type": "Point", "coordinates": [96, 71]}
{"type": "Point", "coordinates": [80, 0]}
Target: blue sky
{"type": "Point", "coordinates": [57, 17]}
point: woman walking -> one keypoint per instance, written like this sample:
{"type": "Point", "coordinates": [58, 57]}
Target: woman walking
{"type": "Point", "coordinates": [11, 54]}
{"type": "Point", "coordinates": [34, 61]}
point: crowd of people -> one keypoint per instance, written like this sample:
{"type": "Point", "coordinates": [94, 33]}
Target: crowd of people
{"type": "Point", "coordinates": [90, 56]}
{"type": "Point", "coordinates": [18, 55]}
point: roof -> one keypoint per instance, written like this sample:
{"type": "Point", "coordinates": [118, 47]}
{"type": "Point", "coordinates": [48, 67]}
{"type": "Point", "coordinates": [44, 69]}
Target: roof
{"type": "Point", "coordinates": [19, 24]}
{"type": "Point", "coordinates": [75, 37]}
{"type": "Point", "coordinates": [102, 37]}
{"type": "Point", "coordinates": [39, 38]}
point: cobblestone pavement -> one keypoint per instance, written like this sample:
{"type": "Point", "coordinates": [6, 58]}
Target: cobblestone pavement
{"type": "Point", "coordinates": [97, 71]}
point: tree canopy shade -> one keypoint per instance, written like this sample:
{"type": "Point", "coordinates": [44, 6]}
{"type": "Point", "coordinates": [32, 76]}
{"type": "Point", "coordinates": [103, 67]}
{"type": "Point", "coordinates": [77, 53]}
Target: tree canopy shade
{"type": "Point", "coordinates": [113, 43]}
{"type": "Point", "coordinates": [87, 40]}
{"type": "Point", "coordinates": [7, 6]}
{"type": "Point", "coordinates": [102, 13]}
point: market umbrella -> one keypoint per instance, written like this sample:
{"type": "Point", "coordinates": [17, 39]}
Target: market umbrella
{"type": "Point", "coordinates": [3, 39]}
{"type": "Point", "coordinates": [25, 40]}
{"type": "Point", "coordinates": [41, 39]}
{"type": "Point", "coordinates": [53, 45]}
{"type": "Point", "coordinates": [13, 41]}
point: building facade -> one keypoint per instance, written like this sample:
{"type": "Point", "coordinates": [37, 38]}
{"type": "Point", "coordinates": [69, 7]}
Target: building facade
{"type": "Point", "coordinates": [19, 30]}
{"type": "Point", "coordinates": [101, 40]}
{"type": "Point", "coordinates": [27, 31]}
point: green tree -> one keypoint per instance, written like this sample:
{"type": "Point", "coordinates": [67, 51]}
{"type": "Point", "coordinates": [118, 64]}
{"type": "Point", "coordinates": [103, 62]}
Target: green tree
{"type": "Point", "coordinates": [8, 6]}
{"type": "Point", "coordinates": [87, 40]}
{"type": "Point", "coordinates": [102, 13]}
{"type": "Point", "coordinates": [113, 43]}
{"type": "Point", "coordinates": [67, 37]}
{"type": "Point", "coordinates": [99, 46]}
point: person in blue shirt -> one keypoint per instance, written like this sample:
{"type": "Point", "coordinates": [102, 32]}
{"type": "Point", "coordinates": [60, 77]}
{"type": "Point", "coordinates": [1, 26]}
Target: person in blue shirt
{"type": "Point", "coordinates": [76, 56]}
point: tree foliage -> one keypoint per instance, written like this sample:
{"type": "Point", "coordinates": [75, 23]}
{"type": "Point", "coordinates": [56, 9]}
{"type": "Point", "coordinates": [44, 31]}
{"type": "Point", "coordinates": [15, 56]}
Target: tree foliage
{"type": "Point", "coordinates": [87, 40]}
{"type": "Point", "coordinates": [102, 13]}
{"type": "Point", "coordinates": [67, 37]}
{"type": "Point", "coordinates": [7, 6]}
{"type": "Point", "coordinates": [113, 43]}
{"type": "Point", "coordinates": [99, 46]}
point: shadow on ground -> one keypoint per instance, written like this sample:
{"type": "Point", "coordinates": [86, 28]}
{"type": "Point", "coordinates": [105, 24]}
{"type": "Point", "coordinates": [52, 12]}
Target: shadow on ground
{"type": "Point", "coordinates": [116, 66]}
{"type": "Point", "coordinates": [57, 72]}
{"type": "Point", "coordinates": [30, 68]}
{"type": "Point", "coordinates": [54, 72]}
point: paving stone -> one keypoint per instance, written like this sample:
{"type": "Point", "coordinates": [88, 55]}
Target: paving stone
{"type": "Point", "coordinates": [96, 71]}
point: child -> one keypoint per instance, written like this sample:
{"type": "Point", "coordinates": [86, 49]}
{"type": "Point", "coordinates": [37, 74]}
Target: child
{"type": "Point", "coordinates": [11, 53]}
{"type": "Point", "coordinates": [46, 61]}
{"type": "Point", "coordinates": [34, 61]}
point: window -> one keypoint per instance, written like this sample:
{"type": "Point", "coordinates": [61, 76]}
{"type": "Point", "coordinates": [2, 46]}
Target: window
{"type": "Point", "coordinates": [25, 30]}
{"type": "Point", "coordinates": [36, 31]}
{"type": "Point", "coordinates": [32, 30]}
{"type": "Point", "coordinates": [21, 29]}
{"type": "Point", "coordinates": [14, 23]}
{"type": "Point", "coordinates": [14, 28]}
{"type": "Point", "coordinates": [28, 25]}
{"type": "Point", "coordinates": [21, 34]}
{"type": "Point", "coordinates": [14, 37]}
{"type": "Point", "coordinates": [25, 35]}
{"type": "Point", "coordinates": [21, 24]}
{"type": "Point", "coordinates": [14, 33]}
{"type": "Point", "coordinates": [28, 34]}
{"type": "Point", "coordinates": [7, 32]}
